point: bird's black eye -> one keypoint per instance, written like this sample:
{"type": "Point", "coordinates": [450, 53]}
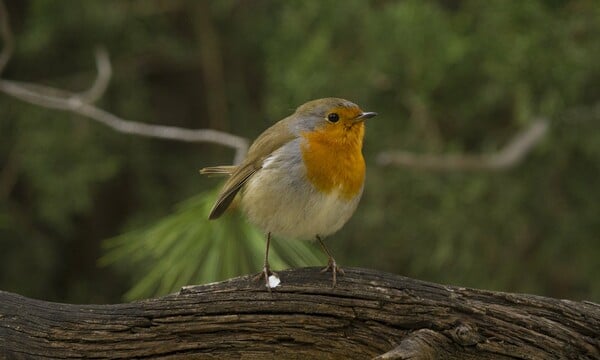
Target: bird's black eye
{"type": "Point", "coordinates": [333, 117]}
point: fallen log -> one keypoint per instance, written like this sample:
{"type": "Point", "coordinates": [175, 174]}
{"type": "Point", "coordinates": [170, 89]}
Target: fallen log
{"type": "Point", "coordinates": [369, 314]}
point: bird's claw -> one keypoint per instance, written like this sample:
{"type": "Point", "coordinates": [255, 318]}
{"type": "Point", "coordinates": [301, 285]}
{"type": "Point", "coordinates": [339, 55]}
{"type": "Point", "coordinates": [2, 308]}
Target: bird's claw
{"type": "Point", "coordinates": [335, 269]}
{"type": "Point", "coordinates": [265, 274]}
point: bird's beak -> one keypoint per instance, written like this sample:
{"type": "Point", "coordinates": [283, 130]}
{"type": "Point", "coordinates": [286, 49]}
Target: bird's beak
{"type": "Point", "coordinates": [364, 116]}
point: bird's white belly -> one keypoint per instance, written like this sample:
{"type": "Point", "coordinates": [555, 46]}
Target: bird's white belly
{"type": "Point", "coordinates": [279, 199]}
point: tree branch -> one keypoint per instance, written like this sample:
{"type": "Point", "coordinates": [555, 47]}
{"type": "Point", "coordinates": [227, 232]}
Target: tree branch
{"type": "Point", "coordinates": [368, 315]}
{"type": "Point", "coordinates": [81, 103]}
{"type": "Point", "coordinates": [508, 156]}
{"type": "Point", "coordinates": [104, 73]}
{"type": "Point", "coordinates": [74, 103]}
{"type": "Point", "coordinates": [78, 104]}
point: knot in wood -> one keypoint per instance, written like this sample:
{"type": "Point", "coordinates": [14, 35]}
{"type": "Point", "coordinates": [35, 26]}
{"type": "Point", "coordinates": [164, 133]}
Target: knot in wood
{"type": "Point", "coordinates": [466, 335]}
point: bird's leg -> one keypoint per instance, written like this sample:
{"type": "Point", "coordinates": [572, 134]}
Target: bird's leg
{"type": "Point", "coordinates": [266, 271]}
{"type": "Point", "coordinates": [331, 264]}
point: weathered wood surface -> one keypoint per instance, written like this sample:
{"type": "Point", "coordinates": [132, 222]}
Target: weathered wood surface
{"type": "Point", "coordinates": [368, 315]}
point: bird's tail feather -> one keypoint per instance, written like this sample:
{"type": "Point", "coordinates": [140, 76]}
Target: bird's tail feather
{"type": "Point", "coordinates": [218, 170]}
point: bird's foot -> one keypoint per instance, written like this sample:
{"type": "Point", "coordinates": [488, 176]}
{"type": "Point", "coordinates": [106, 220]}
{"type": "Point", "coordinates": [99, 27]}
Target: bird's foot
{"type": "Point", "coordinates": [266, 274]}
{"type": "Point", "coordinates": [334, 268]}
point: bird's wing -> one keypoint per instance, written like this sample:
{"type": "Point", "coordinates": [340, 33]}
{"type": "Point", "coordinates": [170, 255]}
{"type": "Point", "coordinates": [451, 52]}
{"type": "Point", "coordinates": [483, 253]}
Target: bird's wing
{"type": "Point", "coordinates": [230, 189]}
{"type": "Point", "coordinates": [269, 141]}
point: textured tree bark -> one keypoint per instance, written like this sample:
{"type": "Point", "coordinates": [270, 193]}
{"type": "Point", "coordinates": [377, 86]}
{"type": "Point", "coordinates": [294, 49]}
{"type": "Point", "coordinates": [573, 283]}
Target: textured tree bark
{"type": "Point", "coordinates": [368, 315]}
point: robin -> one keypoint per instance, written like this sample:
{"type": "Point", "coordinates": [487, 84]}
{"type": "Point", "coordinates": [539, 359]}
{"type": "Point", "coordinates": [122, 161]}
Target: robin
{"type": "Point", "coordinates": [302, 177]}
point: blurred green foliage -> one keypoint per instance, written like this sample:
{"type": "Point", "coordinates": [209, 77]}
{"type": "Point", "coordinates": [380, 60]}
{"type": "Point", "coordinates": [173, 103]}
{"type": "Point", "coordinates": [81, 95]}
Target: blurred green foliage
{"type": "Point", "coordinates": [446, 76]}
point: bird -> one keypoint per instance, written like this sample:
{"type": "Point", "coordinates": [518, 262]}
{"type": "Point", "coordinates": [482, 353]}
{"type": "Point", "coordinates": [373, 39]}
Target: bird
{"type": "Point", "coordinates": [302, 178]}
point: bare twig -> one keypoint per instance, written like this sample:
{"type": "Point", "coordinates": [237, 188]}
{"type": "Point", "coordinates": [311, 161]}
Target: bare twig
{"type": "Point", "coordinates": [6, 36]}
{"type": "Point", "coordinates": [55, 98]}
{"type": "Point", "coordinates": [508, 156]}
{"type": "Point", "coordinates": [80, 103]}
{"type": "Point", "coordinates": [100, 85]}
{"type": "Point", "coordinates": [75, 104]}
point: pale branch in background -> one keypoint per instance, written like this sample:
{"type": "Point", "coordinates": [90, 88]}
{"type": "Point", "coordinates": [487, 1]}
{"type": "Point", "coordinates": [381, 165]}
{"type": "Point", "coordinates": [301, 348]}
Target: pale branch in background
{"type": "Point", "coordinates": [74, 103]}
{"type": "Point", "coordinates": [508, 156]}
{"type": "Point", "coordinates": [98, 88]}
{"type": "Point", "coordinates": [81, 103]}
{"type": "Point", "coordinates": [46, 96]}
{"type": "Point", "coordinates": [77, 104]}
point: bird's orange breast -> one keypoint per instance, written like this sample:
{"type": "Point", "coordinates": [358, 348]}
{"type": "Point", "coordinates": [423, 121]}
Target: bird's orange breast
{"type": "Point", "coordinates": [333, 159]}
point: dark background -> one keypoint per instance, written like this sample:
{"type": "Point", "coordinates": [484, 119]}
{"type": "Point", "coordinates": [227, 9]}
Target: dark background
{"type": "Point", "coordinates": [446, 77]}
